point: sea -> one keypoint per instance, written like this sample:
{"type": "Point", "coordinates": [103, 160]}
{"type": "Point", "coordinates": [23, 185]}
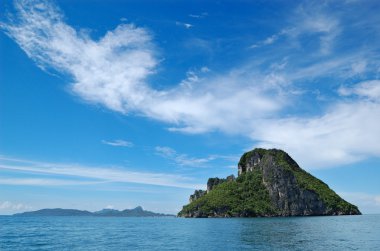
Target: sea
{"type": "Point", "coordinates": [170, 233]}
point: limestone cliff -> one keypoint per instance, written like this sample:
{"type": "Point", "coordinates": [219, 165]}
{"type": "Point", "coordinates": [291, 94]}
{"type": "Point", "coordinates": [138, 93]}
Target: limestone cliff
{"type": "Point", "coordinates": [270, 183]}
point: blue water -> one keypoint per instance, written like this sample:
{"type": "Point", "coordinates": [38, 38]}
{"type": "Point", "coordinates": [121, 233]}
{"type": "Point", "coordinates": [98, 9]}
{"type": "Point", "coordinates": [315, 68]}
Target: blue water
{"type": "Point", "coordinates": [98, 233]}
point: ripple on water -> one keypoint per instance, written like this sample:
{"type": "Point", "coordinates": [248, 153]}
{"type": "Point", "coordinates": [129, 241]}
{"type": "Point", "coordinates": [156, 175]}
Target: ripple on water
{"type": "Point", "coordinates": [98, 233]}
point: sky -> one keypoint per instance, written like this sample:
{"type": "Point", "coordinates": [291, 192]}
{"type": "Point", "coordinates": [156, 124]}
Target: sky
{"type": "Point", "coordinates": [116, 104]}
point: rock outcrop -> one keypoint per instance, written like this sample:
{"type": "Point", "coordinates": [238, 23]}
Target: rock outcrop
{"type": "Point", "coordinates": [213, 182]}
{"type": "Point", "coordinates": [270, 183]}
{"type": "Point", "coordinates": [197, 194]}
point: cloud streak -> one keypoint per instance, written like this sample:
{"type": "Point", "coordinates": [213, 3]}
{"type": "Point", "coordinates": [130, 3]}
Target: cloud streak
{"type": "Point", "coordinates": [367, 203]}
{"type": "Point", "coordinates": [366, 89]}
{"type": "Point", "coordinates": [118, 142]}
{"type": "Point", "coordinates": [345, 134]}
{"type": "Point", "coordinates": [112, 71]}
{"type": "Point", "coordinates": [182, 159]}
{"type": "Point", "coordinates": [73, 174]}
{"type": "Point", "coordinates": [8, 205]}
{"type": "Point", "coordinates": [185, 25]}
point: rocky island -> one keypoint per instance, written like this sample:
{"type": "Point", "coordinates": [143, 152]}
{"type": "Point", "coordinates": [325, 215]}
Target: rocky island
{"type": "Point", "coordinates": [269, 183]}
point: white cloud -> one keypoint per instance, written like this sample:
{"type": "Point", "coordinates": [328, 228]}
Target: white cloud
{"type": "Point", "coordinates": [8, 205]}
{"type": "Point", "coordinates": [44, 181]}
{"type": "Point", "coordinates": [165, 151]}
{"type": "Point", "coordinates": [112, 71]}
{"type": "Point", "coordinates": [109, 71]}
{"type": "Point", "coordinates": [311, 18]}
{"type": "Point", "coordinates": [368, 89]}
{"type": "Point", "coordinates": [205, 69]}
{"type": "Point", "coordinates": [182, 159]}
{"type": "Point", "coordinates": [367, 203]}
{"type": "Point", "coordinates": [69, 174]}
{"type": "Point", "coordinates": [308, 19]}
{"type": "Point", "coordinates": [347, 133]}
{"type": "Point", "coordinates": [359, 67]}
{"type": "Point", "coordinates": [186, 25]}
{"type": "Point", "coordinates": [198, 16]}
{"type": "Point", "coordinates": [269, 40]}
{"type": "Point", "coordinates": [118, 142]}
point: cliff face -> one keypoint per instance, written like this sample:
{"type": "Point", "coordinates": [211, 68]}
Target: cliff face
{"type": "Point", "coordinates": [285, 193]}
{"type": "Point", "coordinates": [270, 183]}
{"type": "Point", "coordinates": [197, 194]}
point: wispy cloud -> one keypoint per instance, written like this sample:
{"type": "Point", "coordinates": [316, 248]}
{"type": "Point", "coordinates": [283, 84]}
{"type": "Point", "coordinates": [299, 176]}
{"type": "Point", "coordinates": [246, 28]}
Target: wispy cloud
{"type": "Point", "coordinates": [39, 29]}
{"type": "Point", "coordinates": [186, 160]}
{"type": "Point", "coordinates": [313, 19]}
{"type": "Point", "coordinates": [44, 181]}
{"type": "Point", "coordinates": [118, 142]}
{"type": "Point", "coordinates": [367, 203]}
{"type": "Point", "coordinates": [69, 174]}
{"type": "Point", "coordinates": [366, 89]}
{"type": "Point", "coordinates": [185, 25]}
{"type": "Point", "coordinates": [182, 159]}
{"type": "Point", "coordinates": [308, 19]}
{"type": "Point", "coordinates": [109, 71]}
{"type": "Point", "coordinates": [251, 99]}
{"type": "Point", "coordinates": [198, 16]}
{"type": "Point", "coordinates": [8, 205]}
{"type": "Point", "coordinates": [269, 40]}
{"type": "Point", "coordinates": [205, 69]}
{"type": "Point", "coordinates": [347, 133]}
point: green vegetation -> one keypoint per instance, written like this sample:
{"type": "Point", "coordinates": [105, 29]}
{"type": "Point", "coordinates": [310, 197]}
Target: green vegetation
{"type": "Point", "coordinates": [244, 197]}
{"type": "Point", "coordinates": [247, 196]}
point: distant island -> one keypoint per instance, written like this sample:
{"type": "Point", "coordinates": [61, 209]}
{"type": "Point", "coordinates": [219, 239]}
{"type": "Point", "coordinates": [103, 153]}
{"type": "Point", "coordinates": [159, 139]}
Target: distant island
{"type": "Point", "coordinates": [136, 212]}
{"type": "Point", "coordinates": [269, 183]}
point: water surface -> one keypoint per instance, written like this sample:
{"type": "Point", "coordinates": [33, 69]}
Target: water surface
{"type": "Point", "coordinates": [106, 233]}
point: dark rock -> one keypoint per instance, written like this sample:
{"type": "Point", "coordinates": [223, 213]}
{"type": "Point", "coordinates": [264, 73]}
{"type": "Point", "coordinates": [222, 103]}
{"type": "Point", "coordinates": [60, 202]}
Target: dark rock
{"type": "Point", "coordinates": [212, 182]}
{"type": "Point", "coordinates": [197, 194]}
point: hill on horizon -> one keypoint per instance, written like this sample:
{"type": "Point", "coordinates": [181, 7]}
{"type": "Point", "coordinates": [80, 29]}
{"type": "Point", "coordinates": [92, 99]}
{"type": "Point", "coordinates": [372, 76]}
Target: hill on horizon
{"type": "Point", "coordinates": [135, 212]}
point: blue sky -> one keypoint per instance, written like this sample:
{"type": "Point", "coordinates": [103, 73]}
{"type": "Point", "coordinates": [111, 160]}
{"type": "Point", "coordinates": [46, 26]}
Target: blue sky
{"type": "Point", "coordinates": [124, 103]}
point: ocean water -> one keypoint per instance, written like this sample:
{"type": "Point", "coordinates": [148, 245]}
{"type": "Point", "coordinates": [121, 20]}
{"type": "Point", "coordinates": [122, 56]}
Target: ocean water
{"type": "Point", "coordinates": [102, 233]}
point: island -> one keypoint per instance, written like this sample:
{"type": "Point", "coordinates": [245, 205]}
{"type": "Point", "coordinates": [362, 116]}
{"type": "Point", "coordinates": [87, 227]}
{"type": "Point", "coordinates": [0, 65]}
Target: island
{"type": "Point", "coordinates": [269, 184]}
{"type": "Point", "coordinates": [135, 212]}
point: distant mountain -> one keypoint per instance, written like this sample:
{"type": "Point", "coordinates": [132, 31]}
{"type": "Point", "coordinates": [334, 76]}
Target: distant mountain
{"type": "Point", "coordinates": [56, 212]}
{"type": "Point", "coordinates": [136, 212]}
